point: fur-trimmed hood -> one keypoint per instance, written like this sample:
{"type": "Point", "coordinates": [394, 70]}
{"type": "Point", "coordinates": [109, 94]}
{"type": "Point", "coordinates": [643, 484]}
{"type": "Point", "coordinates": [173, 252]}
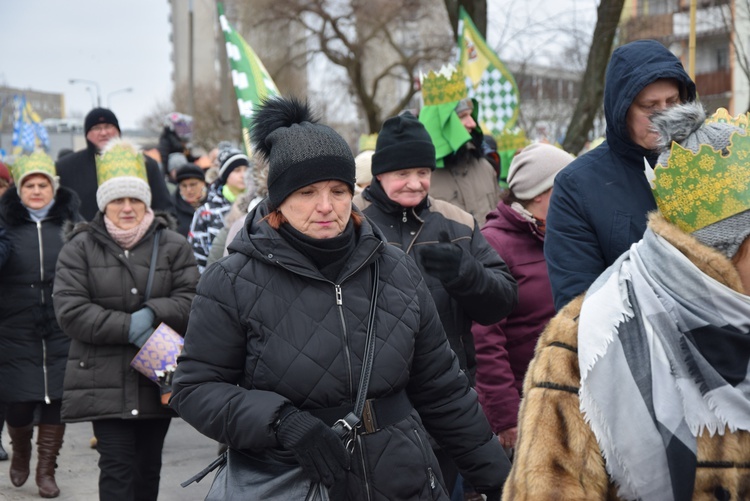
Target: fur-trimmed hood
{"type": "Point", "coordinates": [70, 229]}
{"type": "Point", "coordinates": [66, 207]}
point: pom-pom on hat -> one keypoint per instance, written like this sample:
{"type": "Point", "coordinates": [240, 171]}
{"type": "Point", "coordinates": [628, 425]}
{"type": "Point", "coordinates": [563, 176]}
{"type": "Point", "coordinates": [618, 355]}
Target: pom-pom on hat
{"type": "Point", "coordinates": [702, 181]}
{"type": "Point", "coordinates": [403, 143]}
{"type": "Point", "coordinates": [532, 171]}
{"type": "Point", "coordinates": [300, 151]}
{"type": "Point", "coordinates": [36, 163]}
{"type": "Point", "coordinates": [121, 173]}
{"type": "Point", "coordinates": [363, 163]}
{"type": "Point", "coordinates": [229, 159]}
{"type": "Point", "coordinates": [100, 116]}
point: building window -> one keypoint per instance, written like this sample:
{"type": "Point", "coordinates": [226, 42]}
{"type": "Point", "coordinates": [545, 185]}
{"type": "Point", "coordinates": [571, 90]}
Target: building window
{"type": "Point", "coordinates": [722, 58]}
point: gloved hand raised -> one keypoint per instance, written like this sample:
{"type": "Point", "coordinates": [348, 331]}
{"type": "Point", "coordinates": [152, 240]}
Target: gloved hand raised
{"type": "Point", "coordinates": [141, 326]}
{"type": "Point", "coordinates": [320, 452]}
{"type": "Point", "coordinates": [443, 259]}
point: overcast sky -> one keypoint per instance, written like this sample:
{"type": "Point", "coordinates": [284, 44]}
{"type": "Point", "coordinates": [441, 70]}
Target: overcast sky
{"type": "Point", "coordinates": [115, 43]}
{"type": "Point", "coordinates": [125, 43]}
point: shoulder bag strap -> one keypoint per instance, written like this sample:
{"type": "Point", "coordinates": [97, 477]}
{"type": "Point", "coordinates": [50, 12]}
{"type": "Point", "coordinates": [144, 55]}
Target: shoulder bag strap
{"type": "Point", "coordinates": [346, 427]}
{"type": "Point", "coordinates": [152, 266]}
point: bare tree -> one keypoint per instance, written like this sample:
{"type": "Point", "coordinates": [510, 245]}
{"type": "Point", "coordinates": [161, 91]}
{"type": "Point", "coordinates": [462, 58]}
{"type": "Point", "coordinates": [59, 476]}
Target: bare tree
{"type": "Point", "coordinates": [592, 86]}
{"type": "Point", "coordinates": [378, 44]}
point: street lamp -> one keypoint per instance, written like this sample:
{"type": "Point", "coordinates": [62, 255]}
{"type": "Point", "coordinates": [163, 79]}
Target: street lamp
{"type": "Point", "coordinates": [118, 91]}
{"type": "Point", "coordinates": [96, 84]}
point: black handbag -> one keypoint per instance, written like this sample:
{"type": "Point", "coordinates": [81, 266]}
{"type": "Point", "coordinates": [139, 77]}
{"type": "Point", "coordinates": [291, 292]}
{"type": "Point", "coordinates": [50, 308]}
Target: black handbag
{"type": "Point", "coordinates": [275, 475]}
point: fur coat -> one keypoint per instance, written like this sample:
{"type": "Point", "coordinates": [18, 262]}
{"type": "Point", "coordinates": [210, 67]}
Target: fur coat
{"type": "Point", "coordinates": [557, 456]}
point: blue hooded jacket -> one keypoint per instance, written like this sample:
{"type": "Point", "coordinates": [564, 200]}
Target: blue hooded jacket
{"type": "Point", "coordinates": [600, 201]}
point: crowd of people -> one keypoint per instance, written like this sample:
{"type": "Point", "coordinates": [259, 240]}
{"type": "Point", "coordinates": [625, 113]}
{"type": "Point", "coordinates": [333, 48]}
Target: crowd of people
{"type": "Point", "coordinates": [392, 325]}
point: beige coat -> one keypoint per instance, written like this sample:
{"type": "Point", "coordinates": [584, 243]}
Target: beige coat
{"type": "Point", "coordinates": [471, 185]}
{"type": "Point", "coordinates": [557, 456]}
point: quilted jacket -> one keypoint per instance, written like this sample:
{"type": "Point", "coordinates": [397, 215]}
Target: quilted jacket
{"type": "Point", "coordinates": [267, 329]}
{"type": "Point", "coordinates": [557, 456]}
{"type": "Point", "coordinates": [484, 291]}
{"type": "Point", "coordinates": [97, 287]}
{"type": "Point", "coordinates": [33, 348]}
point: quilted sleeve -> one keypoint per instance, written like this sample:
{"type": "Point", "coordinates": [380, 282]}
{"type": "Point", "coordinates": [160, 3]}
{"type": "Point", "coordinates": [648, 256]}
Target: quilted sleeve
{"type": "Point", "coordinates": [78, 316]}
{"type": "Point", "coordinates": [205, 390]}
{"type": "Point", "coordinates": [556, 455]}
{"type": "Point", "coordinates": [448, 406]}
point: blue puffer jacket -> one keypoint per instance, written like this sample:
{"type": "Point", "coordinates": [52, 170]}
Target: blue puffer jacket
{"type": "Point", "coordinates": [600, 200]}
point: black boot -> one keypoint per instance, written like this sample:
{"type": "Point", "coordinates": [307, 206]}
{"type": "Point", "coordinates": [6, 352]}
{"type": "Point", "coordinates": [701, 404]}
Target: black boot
{"type": "Point", "coordinates": [3, 454]}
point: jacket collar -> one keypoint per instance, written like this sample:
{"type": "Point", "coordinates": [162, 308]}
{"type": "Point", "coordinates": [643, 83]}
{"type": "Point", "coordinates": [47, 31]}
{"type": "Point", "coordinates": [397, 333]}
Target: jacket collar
{"type": "Point", "coordinates": [258, 240]}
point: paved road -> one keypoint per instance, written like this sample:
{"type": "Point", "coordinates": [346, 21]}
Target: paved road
{"type": "Point", "coordinates": [185, 453]}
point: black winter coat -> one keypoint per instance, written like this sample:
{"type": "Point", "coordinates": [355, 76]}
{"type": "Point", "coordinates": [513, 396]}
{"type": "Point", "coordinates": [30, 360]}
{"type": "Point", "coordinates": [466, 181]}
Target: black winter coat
{"type": "Point", "coordinates": [97, 287]}
{"type": "Point", "coordinates": [267, 329]}
{"type": "Point", "coordinates": [484, 292]}
{"type": "Point", "coordinates": [185, 213]}
{"type": "Point", "coordinates": [77, 171]}
{"type": "Point", "coordinates": [33, 348]}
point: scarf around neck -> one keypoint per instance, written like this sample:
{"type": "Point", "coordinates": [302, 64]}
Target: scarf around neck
{"type": "Point", "coordinates": [128, 238]}
{"type": "Point", "coordinates": [663, 353]}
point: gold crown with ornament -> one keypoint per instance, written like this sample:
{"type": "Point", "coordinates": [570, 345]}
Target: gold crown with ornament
{"type": "Point", "coordinates": [695, 190]}
{"type": "Point", "coordinates": [445, 86]}
{"type": "Point", "coordinates": [36, 163]}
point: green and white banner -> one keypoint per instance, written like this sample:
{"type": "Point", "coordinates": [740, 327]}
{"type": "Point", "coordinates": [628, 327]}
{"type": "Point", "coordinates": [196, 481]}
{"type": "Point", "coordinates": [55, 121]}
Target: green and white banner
{"type": "Point", "coordinates": [251, 80]}
{"type": "Point", "coordinates": [487, 78]}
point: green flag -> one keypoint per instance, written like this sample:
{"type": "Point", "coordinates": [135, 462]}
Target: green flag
{"type": "Point", "coordinates": [251, 80]}
{"type": "Point", "coordinates": [487, 78]}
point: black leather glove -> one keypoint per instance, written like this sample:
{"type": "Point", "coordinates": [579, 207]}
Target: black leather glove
{"type": "Point", "coordinates": [320, 452]}
{"type": "Point", "coordinates": [443, 259]}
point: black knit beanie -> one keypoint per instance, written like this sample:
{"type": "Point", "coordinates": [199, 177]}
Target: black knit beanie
{"type": "Point", "coordinates": [299, 151]}
{"type": "Point", "coordinates": [189, 171]}
{"type": "Point", "coordinates": [100, 116]}
{"type": "Point", "coordinates": [403, 143]}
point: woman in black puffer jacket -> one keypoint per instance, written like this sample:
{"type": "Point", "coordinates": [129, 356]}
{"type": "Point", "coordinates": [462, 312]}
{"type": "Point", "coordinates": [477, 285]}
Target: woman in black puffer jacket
{"type": "Point", "coordinates": [276, 337]}
{"type": "Point", "coordinates": [33, 348]}
{"type": "Point", "coordinates": [100, 289]}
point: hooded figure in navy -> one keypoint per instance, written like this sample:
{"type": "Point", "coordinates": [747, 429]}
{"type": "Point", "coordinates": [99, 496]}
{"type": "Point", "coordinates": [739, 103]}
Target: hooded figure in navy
{"type": "Point", "coordinates": [600, 200]}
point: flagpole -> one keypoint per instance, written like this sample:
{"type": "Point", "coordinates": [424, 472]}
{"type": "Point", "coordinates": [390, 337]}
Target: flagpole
{"type": "Point", "coordinates": [691, 42]}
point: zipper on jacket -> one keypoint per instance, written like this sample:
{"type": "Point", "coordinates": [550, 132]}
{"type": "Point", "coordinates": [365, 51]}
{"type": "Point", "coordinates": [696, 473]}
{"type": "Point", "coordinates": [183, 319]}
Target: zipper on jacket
{"type": "Point", "coordinates": [41, 260]}
{"type": "Point", "coordinates": [347, 354]}
{"type": "Point", "coordinates": [430, 473]}
{"type": "Point", "coordinates": [403, 217]}
{"type": "Point", "coordinates": [364, 469]}
{"type": "Point", "coordinates": [47, 400]}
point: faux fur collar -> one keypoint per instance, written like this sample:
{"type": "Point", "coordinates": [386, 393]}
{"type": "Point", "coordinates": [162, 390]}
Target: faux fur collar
{"type": "Point", "coordinates": [15, 213]}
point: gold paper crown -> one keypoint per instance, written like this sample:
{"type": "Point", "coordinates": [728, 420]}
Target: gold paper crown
{"type": "Point", "coordinates": [36, 163]}
{"type": "Point", "coordinates": [368, 142]}
{"type": "Point", "coordinates": [446, 86]}
{"type": "Point", "coordinates": [722, 116]}
{"type": "Point", "coordinates": [120, 159]}
{"type": "Point", "coordinates": [695, 190]}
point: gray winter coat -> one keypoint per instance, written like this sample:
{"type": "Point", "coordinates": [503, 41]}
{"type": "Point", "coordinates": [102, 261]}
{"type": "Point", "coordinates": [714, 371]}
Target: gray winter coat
{"type": "Point", "coordinates": [97, 288]}
{"type": "Point", "coordinates": [267, 329]}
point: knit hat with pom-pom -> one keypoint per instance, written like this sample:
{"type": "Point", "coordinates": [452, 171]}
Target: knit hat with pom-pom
{"type": "Point", "coordinates": [300, 151]}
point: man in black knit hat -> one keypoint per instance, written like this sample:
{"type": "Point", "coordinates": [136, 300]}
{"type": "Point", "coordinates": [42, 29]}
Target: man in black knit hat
{"type": "Point", "coordinates": [77, 171]}
{"type": "Point", "coordinates": [467, 279]}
